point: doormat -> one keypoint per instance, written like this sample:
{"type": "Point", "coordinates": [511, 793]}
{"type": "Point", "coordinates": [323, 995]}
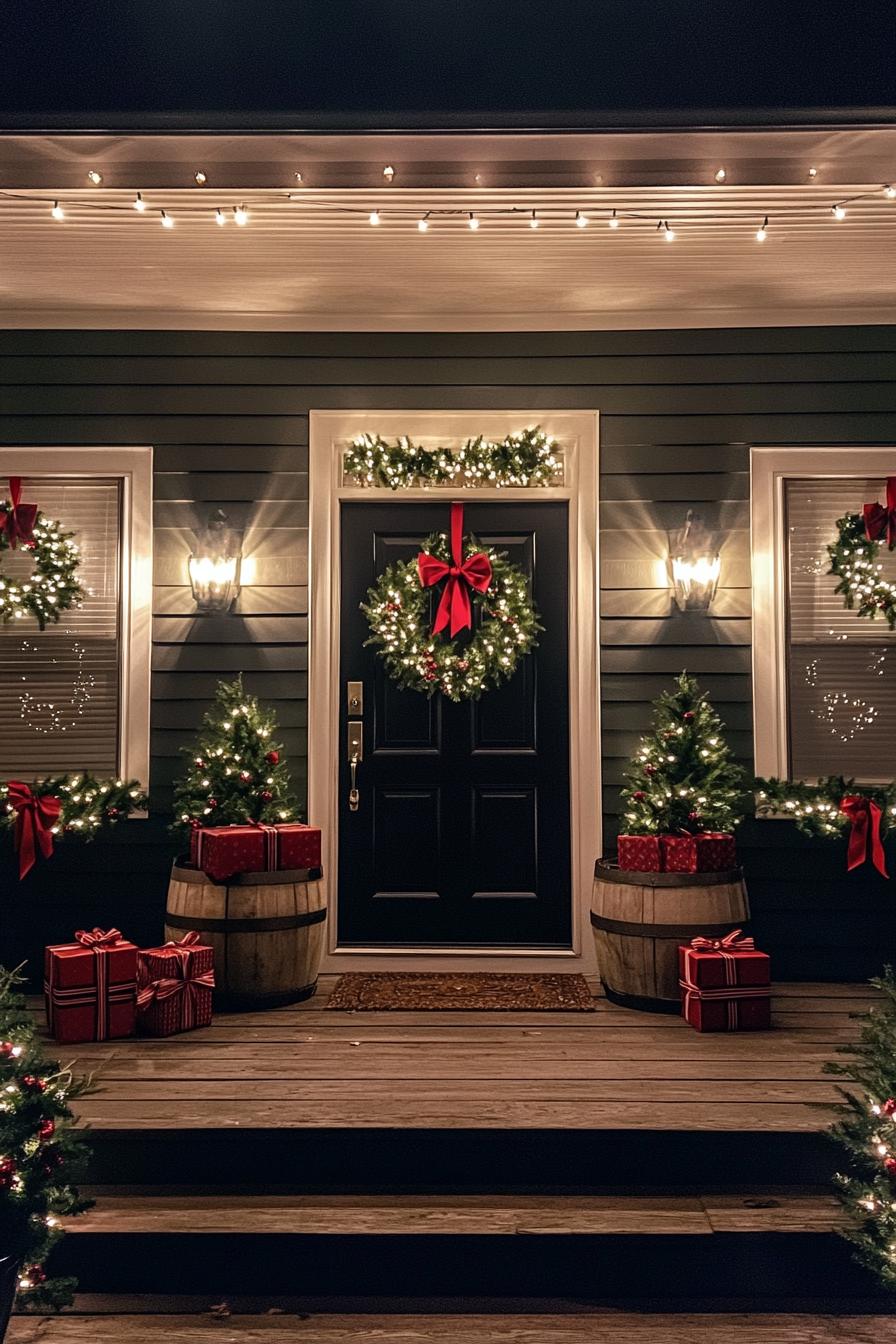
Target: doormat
{"type": "Point", "coordinates": [394, 991]}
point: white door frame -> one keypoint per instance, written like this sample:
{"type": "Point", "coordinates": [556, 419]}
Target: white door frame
{"type": "Point", "coordinates": [577, 435]}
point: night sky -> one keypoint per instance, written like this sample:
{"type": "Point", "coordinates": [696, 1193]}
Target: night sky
{"type": "Point", "coordinates": [289, 63]}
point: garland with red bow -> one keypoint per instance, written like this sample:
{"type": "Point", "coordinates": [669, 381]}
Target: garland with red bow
{"type": "Point", "coordinates": [53, 586]}
{"type": "Point", "coordinates": [39, 812]}
{"type": "Point", "coordinates": [854, 558]}
{"type": "Point", "coordinates": [831, 807]}
{"type": "Point", "coordinates": [424, 654]}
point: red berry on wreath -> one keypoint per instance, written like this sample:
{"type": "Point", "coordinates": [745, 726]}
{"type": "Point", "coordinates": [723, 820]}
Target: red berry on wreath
{"type": "Point", "coordinates": [33, 1084]}
{"type": "Point", "coordinates": [6, 1049]}
{"type": "Point", "coordinates": [212, 802]}
{"type": "Point", "coordinates": [694, 817]}
{"type": "Point", "coordinates": [111, 811]}
{"type": "Point", "coordinates": [266, 796]}
{"type": "Point", "coordinates": [639, 796]}
{"type": "Point", "coordinates": [47, 1130]}
{"type": "Point", "coordinates": [245, 776]}
{"type": "Point", "coordinates": [650, 769]}
{"type": "Point", "coordinates": [273, 757]}
{"type": "Point", "coordinates": [890, 1166]}
{"type": "Point", "coordinates": [30, 1277]}
{"type": "Point", "coordinates": [688, 716]}
{"type": "Point", "coordinates": [889, 1106]}
{"type": "Point", "coordinates": [7, 1172]}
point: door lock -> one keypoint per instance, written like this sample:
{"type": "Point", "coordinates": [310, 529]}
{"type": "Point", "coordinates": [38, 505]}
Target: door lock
{"type": "Point", "coordinates": [355, 744]}
{"type": "Point", "coordinates": [355, 693]}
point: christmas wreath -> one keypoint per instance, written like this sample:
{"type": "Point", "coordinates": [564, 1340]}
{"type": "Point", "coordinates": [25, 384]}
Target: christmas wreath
{"type": "Point", "coordinates": [423, 659]}
{"type": "Point", "coordinates": [527, 458]}
{"type": "Point", "coordinates": [854, 558]}
{"type": "Point", "coordinates": [53, 586]}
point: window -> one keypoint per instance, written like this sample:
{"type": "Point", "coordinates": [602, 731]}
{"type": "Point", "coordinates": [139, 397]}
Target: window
{"type": "Point", "coordinates": [824, 678]}
{"type": "Point", "coordinates": [75, 696]}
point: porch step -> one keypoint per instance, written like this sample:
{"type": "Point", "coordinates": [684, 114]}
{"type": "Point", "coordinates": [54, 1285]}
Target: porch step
{"type": "Point", "coordinates": [433, 1247]}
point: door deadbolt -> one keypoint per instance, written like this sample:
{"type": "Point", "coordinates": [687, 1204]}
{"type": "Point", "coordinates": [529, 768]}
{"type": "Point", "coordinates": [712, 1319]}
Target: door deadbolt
{"type": "Point", "coordinates": [355, 695]}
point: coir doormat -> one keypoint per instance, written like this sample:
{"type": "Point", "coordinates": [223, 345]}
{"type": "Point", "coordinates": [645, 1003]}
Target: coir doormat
{"type": "Point", "coordinates": [394, 991]}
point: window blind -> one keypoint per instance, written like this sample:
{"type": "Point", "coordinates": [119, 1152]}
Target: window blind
{"type": "Point", "coordinates": [59, 688]}
{"type": "Point", "coordinates": [842, 667]}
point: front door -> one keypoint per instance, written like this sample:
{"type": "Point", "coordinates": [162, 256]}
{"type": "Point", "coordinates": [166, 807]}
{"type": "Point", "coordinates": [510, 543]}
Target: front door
{"type": "Point", "coordinates": [461, 837]}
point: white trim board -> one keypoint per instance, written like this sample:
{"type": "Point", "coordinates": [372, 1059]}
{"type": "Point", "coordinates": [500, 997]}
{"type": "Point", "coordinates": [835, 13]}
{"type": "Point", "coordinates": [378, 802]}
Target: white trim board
{"type": "Point", "coordinates": [769, 468]}
{"type": "Point", "coordinates": [133, 467]}
{"type": "Point", "coordinates": [577, 432]}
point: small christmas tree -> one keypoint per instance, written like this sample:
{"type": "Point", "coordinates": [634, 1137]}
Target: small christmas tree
{"type": "Point", "coordinates": [867, 1129]}
{"type": "Point", "coordinates": [40, 1152]}
{"type": "Point", "coordinates": [237, 773]}
{"type": "Point", "coordinates": [683, 777]}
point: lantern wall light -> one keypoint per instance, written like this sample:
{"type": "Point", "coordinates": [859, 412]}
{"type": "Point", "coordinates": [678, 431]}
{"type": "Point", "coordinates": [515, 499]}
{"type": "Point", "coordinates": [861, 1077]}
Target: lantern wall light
{"type": "Point", "coordinates": [214, 566]}
{"type": "Point", "coordinates": [694, 565]}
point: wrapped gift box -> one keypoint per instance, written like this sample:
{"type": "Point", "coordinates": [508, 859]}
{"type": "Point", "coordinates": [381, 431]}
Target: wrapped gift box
{"type": "Point", "coordinates": [706, 852]}
{"type": "Point", "coordinates": [223, 851]}
{"type": "Point", "coordinates": [725, 984]}
{"type": "Point", "coordinates": [175, 983]}
{"type": "Point", "coordinates": [640, 853]}
{"type": "Point", "coordinates": [90, 987]}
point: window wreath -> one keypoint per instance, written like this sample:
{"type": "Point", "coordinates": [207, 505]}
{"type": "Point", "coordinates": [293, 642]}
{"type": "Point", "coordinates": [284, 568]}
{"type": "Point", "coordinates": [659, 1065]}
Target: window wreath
{"type": "Point", "coordinates": [53, 586]}
{"type": "Point", "coordinates": [420, 658]}
{"type": "Point", "coordinates": [854, 558]}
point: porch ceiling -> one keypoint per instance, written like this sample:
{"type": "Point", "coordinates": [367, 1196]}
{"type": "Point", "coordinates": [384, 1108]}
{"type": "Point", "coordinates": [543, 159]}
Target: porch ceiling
{"type": "Point", "coordinates": [309, 258]}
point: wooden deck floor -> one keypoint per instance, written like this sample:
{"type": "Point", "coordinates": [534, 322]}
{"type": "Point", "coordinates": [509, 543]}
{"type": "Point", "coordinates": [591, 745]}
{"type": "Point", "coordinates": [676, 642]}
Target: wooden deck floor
{"type": "Point", "coordinates": [307, 1067]}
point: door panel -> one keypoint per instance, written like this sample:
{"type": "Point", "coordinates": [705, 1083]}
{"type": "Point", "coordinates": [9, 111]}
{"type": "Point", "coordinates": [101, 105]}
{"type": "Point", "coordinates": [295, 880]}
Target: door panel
{"type": "Point", "coordinates": [461, 837]}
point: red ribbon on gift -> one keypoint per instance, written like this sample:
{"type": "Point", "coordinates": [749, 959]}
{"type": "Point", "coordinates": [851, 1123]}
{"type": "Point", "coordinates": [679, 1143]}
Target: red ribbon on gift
{"type": "Point", "coordinates": [880, 520]}
{"type": "Point", "coordinates": [864, 839]}
{"type": "Point", "coordinates": [100, 942]}
{"type": "Point", "coordinates": [17, 522]}
{"type": "Point", "coordinates": [98, 937]}
{"type": "Point", "coordinates": [186, 982]}
{"type": "Point", "coordinates": [736, 940]}
{"type": "Point", "coordinates": [35, 817]}
{"type": "Point", "coordinates": [475, 572]}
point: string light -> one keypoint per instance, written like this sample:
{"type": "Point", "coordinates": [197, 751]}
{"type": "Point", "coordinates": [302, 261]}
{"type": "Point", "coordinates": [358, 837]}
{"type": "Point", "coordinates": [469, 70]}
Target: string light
{"type": "Point", "coordinates": [423, 224]}
{"type": "Point", "coordinates": [473, 222]}
{"type": "Point", "coordinates": [388, 172]}
{"type": "Point", "coordinates": [200, 178]}
{"type": "Point", "coordinates": [890, 192]}
{"type": "Point", "coordinates": [139, 203]}
{"type": "Point", "coordinates": [762, 231]}
{"type": "Point", "coordinates": [838, 211]}
{"type": "Point", "coordinates": [57, 212]}
{"type": "Point", "coordinates": [220, 217]}
{"type": "Point", "coordinates": [373, 217]}
{"type": "Point", "coordinates": [613, 221]}
{"type": "Point", "coordinates": [94, 177]}
{"type": "Point", "coordinates": [167, 221]}
{"type": "Point", "coordinates": [298, 177]}
{"type": "Point", "coordinates": [533, 222]}
{"type": "Point", "coordinates": [813, 172]}
{"type": "Point", "coordinates": [581, 220]}
{"type": "Point", "coordinates": [668, 234]}
{"type": "Point", "coordinates": [240, 215]}
{"type": "Point", "coordinates": [721, 175]}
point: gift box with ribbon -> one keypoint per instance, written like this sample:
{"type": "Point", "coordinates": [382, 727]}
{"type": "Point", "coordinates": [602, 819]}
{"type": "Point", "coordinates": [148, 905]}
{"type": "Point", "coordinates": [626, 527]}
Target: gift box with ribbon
{"type": "Point", "coordinates": [174, 986]}
{"type": "Point", "coordinates": [725, 984]}
{"type": "Point", "coordinates": [90, 987]}
{"type": "Point", "coordinates": [640, 853]}
{"type": "Point", "coordinates": [223, 851]}
{"type": "Point", "coordinates": [703, 852]}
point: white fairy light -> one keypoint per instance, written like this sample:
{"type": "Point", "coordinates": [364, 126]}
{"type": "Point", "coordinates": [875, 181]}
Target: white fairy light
{"type": "Point", "coordinates": [57, 212]}
{"type": "Point", "coordinates": [581, 220]}
{"type": "Point", "coordinates": [613, 222]}
{"type": "Point", "coordinates": [167, 221]}
{"type": "Point", "coordinates": [762, 231]}
{"type": "Point", "coordinates": [473, 222]}
{"type": "Point", "coordinates": [838, 211]}
{"type": "Point", "coordinates": [373, 217]}
{"type": "Point", "coordinates": [139, 203]}
{"type": "Point", "coordinates": [240, 215]}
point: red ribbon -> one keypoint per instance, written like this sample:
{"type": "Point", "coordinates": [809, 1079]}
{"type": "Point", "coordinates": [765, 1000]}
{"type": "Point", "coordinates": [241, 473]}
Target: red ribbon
{"type": "Point", "coordinates": [35, 816]}
{"type": "Point", "coordinates": [462, 575]}
{"type": "Point", "coordinates": [880, 520]}
{"type": "Point", "coordinates": [864, 839]}
{"type": "Point", "coordinates": [736, 939]}
{"type": "Point", "coordinates": [17, 522]}
{"type": "Point", "coordinates": [98, 937]}
{"type": "Point", "coordinates": [185, 982]}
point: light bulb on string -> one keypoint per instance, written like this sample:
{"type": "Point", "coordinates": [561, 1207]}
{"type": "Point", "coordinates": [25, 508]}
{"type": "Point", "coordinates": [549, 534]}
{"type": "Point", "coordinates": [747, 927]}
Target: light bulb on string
{"type": "Point", "coordinates": [668, 234]}
{"type": "Point", "coordinates": [200, 178]}
{"type": "Point", "coordinates": [890, 192]}
{"type": "Point", "coordinates": [94, 177]}
{"type": "Point", "coordinates": [762, 231]}
{"type": "Point", "coordinates": [57, 212]}
{"type": "Point", "coordinates": [613, 222]}
{"type": "Point", "coordinates": [721, 175]}
{"type": "Point", "coordinates": [240, 215]}
{"type": "Point", "coordinates": [423, 224]}
{"type": "Point", "coordinates": [220, 217]}
{"type": "Point", "coordinates": [388, 172]}
{"type": "Point", "coordinates": [534, 221]}
{"type": "Point", "coordinates": [581, 220]}
{"type": "Point", "coordinates": [373, 217]}
{"type": "Point", "coordinates": [139, 203]}
{"type": "Point", "coordinates": [838, 211]}
{"type": "Point", "coordinates": [473, 222]}
{"type": "Point", "coordinates": [813, 172]}
{"type": "Point", "coordinates": [167, 221]}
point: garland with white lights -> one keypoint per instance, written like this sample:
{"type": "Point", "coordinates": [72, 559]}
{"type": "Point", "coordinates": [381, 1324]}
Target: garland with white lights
{"type": "Point", "coordinates": [527, 458]}
{"type": "Point", "coordinates": [854, 561]}
{"type": "Point", "coordinates": [53, 586]}
{"type": "Point", "coordinates": [397, 609]}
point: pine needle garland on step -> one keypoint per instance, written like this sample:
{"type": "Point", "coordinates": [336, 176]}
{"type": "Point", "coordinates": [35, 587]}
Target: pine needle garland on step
{"type": "Point", "coordinates": [40, 1152]}
{"type": "Point", "coordinates": [866, 1128]}
{"type": "Point", "coordinates": [683, 777]}
{"type": "Point", "coordinates": [237, 773]}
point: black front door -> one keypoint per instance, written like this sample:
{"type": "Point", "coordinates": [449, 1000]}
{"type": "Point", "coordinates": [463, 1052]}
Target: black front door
{"type": "Point", "coordinates": [461, 834]}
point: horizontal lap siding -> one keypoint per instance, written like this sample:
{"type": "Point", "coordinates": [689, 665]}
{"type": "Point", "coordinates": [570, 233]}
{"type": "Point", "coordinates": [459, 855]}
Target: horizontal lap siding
{"type": "Point", "coordinates": [227, 415]}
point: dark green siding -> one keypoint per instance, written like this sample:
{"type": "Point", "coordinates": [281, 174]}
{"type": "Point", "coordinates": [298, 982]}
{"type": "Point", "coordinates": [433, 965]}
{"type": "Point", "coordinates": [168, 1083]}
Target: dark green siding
{"type": "Point", "coordinates": [227, 414]}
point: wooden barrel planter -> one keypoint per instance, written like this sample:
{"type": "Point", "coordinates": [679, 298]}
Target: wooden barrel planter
{"type": "Point", "coordinates": [640, 920]}
{"type": "Point", "coordinates": [267, 930]}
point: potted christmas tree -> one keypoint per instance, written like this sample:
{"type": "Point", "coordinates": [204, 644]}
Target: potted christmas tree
{"type": "Point", "coordinates": [677, 875]}
{"type": "Point", "coordinates": [251, 883]}
{"type": "Point", "coordinates": [39, 1155]}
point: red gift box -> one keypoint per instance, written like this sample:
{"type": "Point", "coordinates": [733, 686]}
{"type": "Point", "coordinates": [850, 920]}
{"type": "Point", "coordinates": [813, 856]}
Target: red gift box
{"type": "Point", "coordinates": [725, 984]}
{"type": "Point", "coordinates": [90, 987]}
{"type": "Point", "coordinates": [223, 851]}
{"type": "Point", "coordinates": [706, 852]}
{"type": "Point", "coordinates": [175, 983]}
{"type": "Point", "coordinates": [640, 853]}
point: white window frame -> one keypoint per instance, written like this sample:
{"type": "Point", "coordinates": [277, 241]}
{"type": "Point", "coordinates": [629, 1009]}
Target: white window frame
{"type": "Point", "coordinates": [770, 467]}
{"type": "Point", "coordinates": [132, 466]}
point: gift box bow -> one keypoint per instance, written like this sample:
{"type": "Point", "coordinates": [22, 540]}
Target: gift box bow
{"type": "Point", "coordinates": [184, 979]}
{"type": "Point", "coordinates": [735, 941]}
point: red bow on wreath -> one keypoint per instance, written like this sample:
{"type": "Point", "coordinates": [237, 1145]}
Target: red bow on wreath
{"type": "Point", "coordinates": [474, 572]}
{"type": "Point", "coordinates": [17, 522]}
{"type": "Point", "coordinates": [35, 817]}
{"type": "Point", "coordinates": [864, 838]}
{"type": "Point", "coordinates": [880, 520]}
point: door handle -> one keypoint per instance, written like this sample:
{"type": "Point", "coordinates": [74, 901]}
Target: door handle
{"type": "Point", "coordinates": [354, 798]}
{"type": "Point", "coordinates": [355, 742]}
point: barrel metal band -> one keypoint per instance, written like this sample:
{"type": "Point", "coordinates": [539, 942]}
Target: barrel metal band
{"type": "Point", "coordinates": [684, 931]}
{"type": "Point", "coordinates": [272, 925]}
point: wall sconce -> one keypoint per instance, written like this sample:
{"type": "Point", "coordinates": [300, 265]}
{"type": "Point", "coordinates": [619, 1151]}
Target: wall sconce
{"type": "Point", "coordinates": [694, 565]}
{"type": "Point", "coordinates": [215, 565]}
